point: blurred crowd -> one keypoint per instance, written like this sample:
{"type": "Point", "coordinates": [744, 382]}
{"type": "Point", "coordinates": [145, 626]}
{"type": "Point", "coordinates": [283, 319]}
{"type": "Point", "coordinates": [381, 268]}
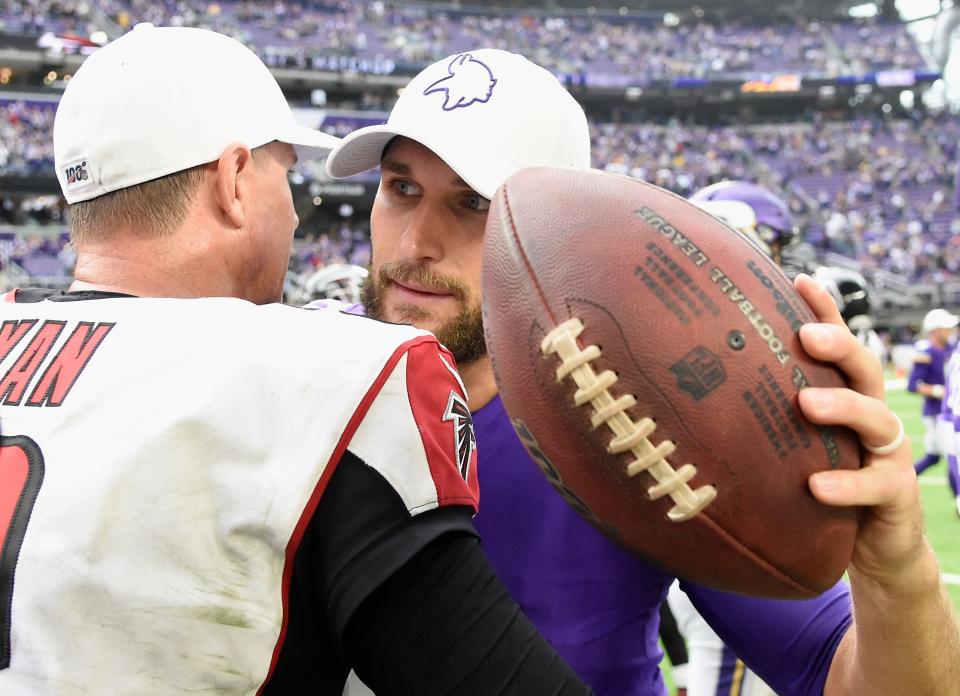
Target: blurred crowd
{"type": "Point", "coordinates": [347, 242]}
{"type": "Point", "coordinates": [43, 255]}
{"type": "Point", "coordinates": [882, 191]}
{"type": "Point", "coordinates": [26, 145]}
{"type": "Point", "coordinates": [39, 16]}
{"type": "Point", "coordinates": [379, 37]}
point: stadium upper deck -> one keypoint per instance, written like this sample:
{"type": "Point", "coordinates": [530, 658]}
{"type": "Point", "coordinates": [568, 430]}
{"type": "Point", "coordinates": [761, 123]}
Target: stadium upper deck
{"type": "Point", "coordinates": [603, 50]}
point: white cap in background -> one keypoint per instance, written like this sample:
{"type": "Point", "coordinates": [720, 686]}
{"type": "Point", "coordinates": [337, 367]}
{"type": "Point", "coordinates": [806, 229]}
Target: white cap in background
{"type": "Point", "coordinates": [160, 100]}
{"type": "Point", "coordinates": [939, 319]}
{"type": "Point", "coordinates": [486, 113]}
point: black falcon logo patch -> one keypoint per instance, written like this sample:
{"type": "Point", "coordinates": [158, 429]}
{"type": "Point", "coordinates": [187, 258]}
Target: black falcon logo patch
{"type": "Point", "coordinates": [464, 438]}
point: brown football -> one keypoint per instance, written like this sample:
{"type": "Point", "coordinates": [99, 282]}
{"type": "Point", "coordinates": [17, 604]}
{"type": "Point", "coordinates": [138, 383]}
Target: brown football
{"type": "Point", "coordinates": [648, 357]}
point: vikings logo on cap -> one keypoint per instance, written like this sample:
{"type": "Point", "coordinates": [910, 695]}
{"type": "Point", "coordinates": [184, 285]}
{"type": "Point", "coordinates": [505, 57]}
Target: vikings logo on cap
{"type": "Point", "coordinates": [469, 81]}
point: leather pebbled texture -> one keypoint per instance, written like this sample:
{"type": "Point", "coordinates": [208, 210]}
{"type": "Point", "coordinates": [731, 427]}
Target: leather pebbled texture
{"type": "Point", "coordinates": [701, 328]}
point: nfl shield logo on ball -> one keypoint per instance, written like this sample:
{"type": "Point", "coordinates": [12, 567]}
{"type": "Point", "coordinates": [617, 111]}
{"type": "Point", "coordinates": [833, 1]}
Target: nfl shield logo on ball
{"type": "Point", "coordinates": [699, 372]}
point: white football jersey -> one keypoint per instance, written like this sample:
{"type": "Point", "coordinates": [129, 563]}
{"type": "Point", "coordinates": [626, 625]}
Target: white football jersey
{"type": "Point", "coordinates": [159, 462]}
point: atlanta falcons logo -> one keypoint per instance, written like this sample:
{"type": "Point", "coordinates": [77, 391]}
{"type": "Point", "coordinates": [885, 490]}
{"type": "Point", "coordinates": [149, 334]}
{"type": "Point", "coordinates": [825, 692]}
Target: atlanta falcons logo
{"type": "Point", "coordinates": [464, 438]}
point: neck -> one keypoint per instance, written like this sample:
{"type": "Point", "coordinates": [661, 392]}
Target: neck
{"type": "Point", "coordinates": [155, 267]}
{"type": "Point", "coordinates": [478, 379]}
{"type": "Point", "coordinates": [111, 274]}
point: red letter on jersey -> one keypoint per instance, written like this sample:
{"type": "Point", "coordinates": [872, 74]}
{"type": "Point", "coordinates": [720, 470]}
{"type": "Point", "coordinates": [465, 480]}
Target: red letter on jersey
{"type": "Point", "coordinates": [11, 332]}
{"type": "Point", "coordinates": [15, 382]}
{"type": "Point", "coordinates": [63, 370]}
{"type": "Point", "coordinates": [21, 473]}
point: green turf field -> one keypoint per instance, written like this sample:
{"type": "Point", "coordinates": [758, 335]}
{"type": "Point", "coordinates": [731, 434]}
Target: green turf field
{"type": "Point", "coordinates": [943, 524]}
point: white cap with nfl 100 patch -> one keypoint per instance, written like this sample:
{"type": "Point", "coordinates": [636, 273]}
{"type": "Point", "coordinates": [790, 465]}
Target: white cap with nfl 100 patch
{"type": "Point", "coordinates": [160, 100]}
{"type": "Point", "coordinates": [486, 113]}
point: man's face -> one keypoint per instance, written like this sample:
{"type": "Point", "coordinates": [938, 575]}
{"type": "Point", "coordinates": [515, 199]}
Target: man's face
{"type": "Point", "coordinates": [273, 221]}
{"type": "Point", "coordinates": [427, 234]}
{"type": "Point", "coordinates": [941, 337]}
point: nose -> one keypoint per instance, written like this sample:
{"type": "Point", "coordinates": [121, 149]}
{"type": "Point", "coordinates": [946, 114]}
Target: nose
{"type": "Point", "coordinates": [422, 238]}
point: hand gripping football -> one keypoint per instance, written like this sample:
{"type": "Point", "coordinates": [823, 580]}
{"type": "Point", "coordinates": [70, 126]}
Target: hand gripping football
{"type": "Point", "coordinates": [648, 357]}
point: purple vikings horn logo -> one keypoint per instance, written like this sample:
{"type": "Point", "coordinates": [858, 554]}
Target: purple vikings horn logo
{"type": "Point", "coordinates": [469, 81]}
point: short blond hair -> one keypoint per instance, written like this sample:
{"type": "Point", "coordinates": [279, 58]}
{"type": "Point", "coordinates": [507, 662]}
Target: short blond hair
{"type": "Point", "coordinates": [152, 208]}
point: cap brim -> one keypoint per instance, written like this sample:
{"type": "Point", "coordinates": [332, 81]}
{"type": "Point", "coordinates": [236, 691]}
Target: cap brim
{"type": "Point", "coordinates": [359, 151]}
{"type": "Point", "coordinates": [950, 323]}
{"type": "Point", "coordinates": [309, 143]}
{"type": "Point", "coordinates": [482, 170]}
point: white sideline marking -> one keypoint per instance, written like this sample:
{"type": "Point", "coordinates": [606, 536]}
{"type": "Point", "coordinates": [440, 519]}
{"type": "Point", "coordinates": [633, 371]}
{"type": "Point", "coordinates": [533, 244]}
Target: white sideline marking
{"type": "Point", "coordinates": [932, 480]}
{"type": "Point", "coordinates": [897, 383]}
{"type": "Point", "coordinates": [950, 578]}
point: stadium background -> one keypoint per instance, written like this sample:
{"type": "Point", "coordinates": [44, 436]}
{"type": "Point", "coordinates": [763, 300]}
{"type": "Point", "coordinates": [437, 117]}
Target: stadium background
{"type": "Point", "coordinates": [848, 110]}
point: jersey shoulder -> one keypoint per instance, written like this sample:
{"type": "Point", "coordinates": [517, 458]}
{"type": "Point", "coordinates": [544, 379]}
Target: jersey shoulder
{"type": "Point", "coordinates": [417, 429]}
{"type": "Point", "coordinates": [311, 337]}
{"type": "Point", "coordinates": [418, 432]}
{"type": "Point", "coordinates": [924, 351]}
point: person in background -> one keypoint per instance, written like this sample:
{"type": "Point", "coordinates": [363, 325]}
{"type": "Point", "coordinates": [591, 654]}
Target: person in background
{"type": "Point", "coordinates": [927, 378]}
{"type": "Point", "coordinates": [753, 210]}
{"type": "Point", "coordinates": [950, 417]}
{"type": "Point", "coordinates": [851, 292]}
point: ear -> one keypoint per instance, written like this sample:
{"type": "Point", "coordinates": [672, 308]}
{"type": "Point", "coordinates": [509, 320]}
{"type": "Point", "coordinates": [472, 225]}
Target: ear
{"type": "Point", "coordinates": [233, 167]}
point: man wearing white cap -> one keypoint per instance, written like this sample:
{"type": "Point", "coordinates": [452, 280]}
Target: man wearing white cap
{"type": "Point", "coordinates": [459, 128]}
{"type": "Point", "coordinates": [927, 377]}
{"type": "Point", "coordinates": [200, 492]}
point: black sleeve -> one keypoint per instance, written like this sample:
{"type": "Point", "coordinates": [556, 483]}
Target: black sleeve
{"type": "Point", "coordinates": [359, 536]}
{"type": "Point", "coordinates": [670, 636]}
{"type": "Point", "coordinates": [410, 602]}
{"type": "Point", "coordinates": [443, 624]}
{"type": "Point", "coordinates": [362, 533]}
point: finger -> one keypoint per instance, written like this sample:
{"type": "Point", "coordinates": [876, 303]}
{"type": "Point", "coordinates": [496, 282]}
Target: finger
{"type": "Point", "coordinates": [870, 418]}
{"type": "Point", "coordinates": [819, 300]}
{"type": "Point", "coordinates": [872, 486]}
{"type": "Point", "coordinates": [835, 344]}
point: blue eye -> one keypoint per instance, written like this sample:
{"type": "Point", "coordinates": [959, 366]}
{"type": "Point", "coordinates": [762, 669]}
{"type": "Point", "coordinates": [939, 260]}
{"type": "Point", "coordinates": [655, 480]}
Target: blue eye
{"type": "Point", "coordinates": [475, 201]}
{"type": "Point", "coordinates": [405, 188]}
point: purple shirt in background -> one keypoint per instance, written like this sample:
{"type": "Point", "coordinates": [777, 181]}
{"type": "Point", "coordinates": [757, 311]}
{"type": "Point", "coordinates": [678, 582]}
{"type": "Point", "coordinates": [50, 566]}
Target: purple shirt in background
{"type": "Point", "coordinates": [598, 604]}
{"type": "Point", "coordinates": [951, 383]}
{"type": "Point", "coordinates": [928, 368]}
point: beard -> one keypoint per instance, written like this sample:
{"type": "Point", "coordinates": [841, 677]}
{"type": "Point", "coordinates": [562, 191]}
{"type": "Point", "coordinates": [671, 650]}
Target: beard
{"type": "Point", "coordinates": [462, 335]}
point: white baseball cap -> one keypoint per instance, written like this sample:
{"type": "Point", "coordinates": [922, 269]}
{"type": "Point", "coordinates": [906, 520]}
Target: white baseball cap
{"type": "Point", "coordinates": [939, 319]}
{"type": "Point", "coordinates": [486, 113]}
{"type": "Point", "coordinates": [160, 100]}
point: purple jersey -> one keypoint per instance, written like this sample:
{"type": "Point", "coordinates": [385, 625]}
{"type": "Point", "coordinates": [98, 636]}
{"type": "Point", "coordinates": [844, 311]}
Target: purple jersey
{"type": "Point", "coordinates": [928, 368]}
{"type": "Point", "coordinates": [951, 386]}
{"type": "Point", "coordinates": [950, 413]}
{"type": "Point", "coordinates": [598, 605]}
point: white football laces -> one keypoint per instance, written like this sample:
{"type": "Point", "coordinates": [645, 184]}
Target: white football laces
{"type": "Point", "coordinates": [594, 390]}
